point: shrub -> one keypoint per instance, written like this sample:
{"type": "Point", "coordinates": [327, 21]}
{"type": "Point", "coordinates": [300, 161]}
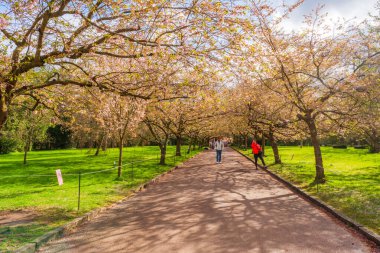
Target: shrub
{"type": "Point", "coordinates": [360, 146]}
{"type": "Point", "coordinates": [7, 145]}
{"type": "Point", "coordinates": [340, 146]}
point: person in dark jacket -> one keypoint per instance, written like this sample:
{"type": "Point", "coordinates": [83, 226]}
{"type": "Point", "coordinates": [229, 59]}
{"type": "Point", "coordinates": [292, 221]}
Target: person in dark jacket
{"type": "Point", "coordinates": [257, 153]}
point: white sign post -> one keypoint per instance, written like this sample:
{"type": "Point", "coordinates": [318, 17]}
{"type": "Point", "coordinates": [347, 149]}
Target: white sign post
{"type": "Point", "coordinates": [59, 177]}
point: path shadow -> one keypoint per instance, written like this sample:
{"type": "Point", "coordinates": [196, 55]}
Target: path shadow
{"type": "Point", "coordinates": [224, 208]}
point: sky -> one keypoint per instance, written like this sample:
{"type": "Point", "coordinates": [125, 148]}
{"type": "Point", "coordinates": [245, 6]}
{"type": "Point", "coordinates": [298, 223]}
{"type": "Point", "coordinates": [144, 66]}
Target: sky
{"type": "Point", "coordinates": [347, 9]}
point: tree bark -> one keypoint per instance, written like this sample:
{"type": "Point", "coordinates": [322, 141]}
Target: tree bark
{"type": "Point", "coordinates": [105, 143]}
{"type": "Point", "coordinates": [90, 143]}
{"type": "Point", "coordinates": [3, 109]}
{"type": "Point", "coordinates": [274, 146]}
{"type": "Point", "coordinates": [178, 146]}
{"type": "Point", "coordinates": [25, 155]}
{"type": "Point", "coordinates": [320, 171]}
{"type": "Point", "coordinates": [373, 141]}
{"type": "Point", "coordinates": [263, 144]}
{"type": "Point", "coordinates": [120, 157]}
{"type": "Point", "coordinates": [189, 148]}
{"type": "Point", "coordinates": [374, 147]}
{"type": "Point", "coordinates": [163, 154]}
{"type": "Point", "coordinates": [26, 149]}
{"type": "Point", "coordinates": [99, 145]}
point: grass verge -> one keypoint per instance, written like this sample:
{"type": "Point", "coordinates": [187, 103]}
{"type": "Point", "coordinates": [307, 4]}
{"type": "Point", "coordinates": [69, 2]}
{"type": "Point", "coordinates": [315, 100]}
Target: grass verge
{"type": "Point", "coordinates": [353, 179]}
{"type": "Point", "coordinates": [33, 187]}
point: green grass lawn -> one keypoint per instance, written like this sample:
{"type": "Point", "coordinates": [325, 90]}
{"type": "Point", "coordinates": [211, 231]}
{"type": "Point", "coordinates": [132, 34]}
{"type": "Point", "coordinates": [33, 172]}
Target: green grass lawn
{"type": "Point", "coordinates": [353, 179]}
{"type": "Point", "coordinates": [34, 186]}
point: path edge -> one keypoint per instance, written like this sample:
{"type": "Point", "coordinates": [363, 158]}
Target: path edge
{"type": "Point", "coordinates": [346, 220]}
{"type": "Point", "coordinates": [59, 232]}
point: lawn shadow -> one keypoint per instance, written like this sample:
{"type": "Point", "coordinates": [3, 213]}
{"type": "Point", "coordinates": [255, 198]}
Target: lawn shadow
{"type": "Point", "coordinates": [227, 207]}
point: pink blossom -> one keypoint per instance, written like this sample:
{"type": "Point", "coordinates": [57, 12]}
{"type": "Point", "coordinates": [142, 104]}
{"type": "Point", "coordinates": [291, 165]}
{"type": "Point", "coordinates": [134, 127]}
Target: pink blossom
{"type": "Point", "coordinates": [30, 4]}
{"type": "Point", "coordinates": [3, 23]}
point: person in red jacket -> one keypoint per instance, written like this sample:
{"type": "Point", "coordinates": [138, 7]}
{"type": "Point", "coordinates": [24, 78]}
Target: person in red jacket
{"type": "Point", "coordinates": [257, 153]}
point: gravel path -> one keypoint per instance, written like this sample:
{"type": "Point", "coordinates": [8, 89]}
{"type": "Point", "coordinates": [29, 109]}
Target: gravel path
{"type": "Point", "coordinates": [208, 207]}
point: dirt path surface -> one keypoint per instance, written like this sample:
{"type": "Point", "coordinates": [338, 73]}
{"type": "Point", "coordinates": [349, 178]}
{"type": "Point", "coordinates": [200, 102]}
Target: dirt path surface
{"type": "Point", "coordinates": [208, 207]}
{"type": "Point", "coordinates": [17, 218]}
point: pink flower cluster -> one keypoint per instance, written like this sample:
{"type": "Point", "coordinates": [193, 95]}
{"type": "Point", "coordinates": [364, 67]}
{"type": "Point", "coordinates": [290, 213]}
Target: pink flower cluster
{"type": "Point", "coordinates": [3, 23]}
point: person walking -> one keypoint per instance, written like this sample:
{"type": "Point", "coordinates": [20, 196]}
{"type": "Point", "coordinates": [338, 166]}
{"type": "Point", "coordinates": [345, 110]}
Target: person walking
{"type": "Point", "coordinates": [257, 153]}
{"type": "Point", "coordinates": [219, 146]}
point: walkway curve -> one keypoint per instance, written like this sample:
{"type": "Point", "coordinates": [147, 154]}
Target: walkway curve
{"type": "Point", "coordinates": [209, 207]}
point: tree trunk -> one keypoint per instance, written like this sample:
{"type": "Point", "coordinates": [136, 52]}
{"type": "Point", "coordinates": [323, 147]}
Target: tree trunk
{"type": "Point", "coordinates": [189, 148]}
{"type": "Point", "coordinates": [26, 149]}
{"type": "Point", "coordinates": [274, 146]}
{"type": "Point", "coordinates": [3, 109]}
{"type": "Point", "coordinates": [105, 143]}
{"type": "Point", "coordinates": [320, 171]}
{"type": "Point", "coordinates": [246, 142]}
{"type": "Point", "coordinates": [89, 145]}
{"type": "Point", "coordinates": [263, 144]}
{"type": "Point", "coordinates": [178, 146]}
{"type": "Point", "coordinates": [374, 147]}
{"type": "Point", "coordinates": [25, 155]}
{"type": "Point", "coordinates": [373, 141]}
{"type": "Point", "coordinates": [98, 145]}
{"type": "Point", "coordinates": [120, 157]}
{"type": "Point", "coordinates": [163, 154]}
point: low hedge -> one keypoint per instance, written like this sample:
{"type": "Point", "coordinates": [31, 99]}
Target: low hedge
{"type": "Point", "coordinates": [343, 146]}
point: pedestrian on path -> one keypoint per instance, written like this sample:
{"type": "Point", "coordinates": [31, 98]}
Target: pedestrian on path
{"type": "Point", "coordinates": [257, 152]}
{"type": "Point", "coordinates": [219, 146]}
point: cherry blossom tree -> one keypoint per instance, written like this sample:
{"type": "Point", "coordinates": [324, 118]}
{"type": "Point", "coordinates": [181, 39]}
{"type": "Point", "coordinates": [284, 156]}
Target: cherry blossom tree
{"type": "Point", "coordinates": [308, 70]}
{"type": "Point", "coordinates": [159, 127]}
{"type": "Point", "coordinates": [99, 115]}
{"type": "Point", "coordinates": [29, 122]}
{"type": "Point", "coordinates": [363, 102]}
{"type": "Point", "coordinates": [126, 113]}
{"type": "Point", "coordinates": [65, 42]}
